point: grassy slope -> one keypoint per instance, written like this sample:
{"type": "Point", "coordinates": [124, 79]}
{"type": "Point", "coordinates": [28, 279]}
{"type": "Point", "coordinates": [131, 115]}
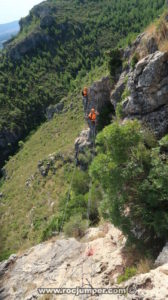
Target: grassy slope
{"type": "Point", "coordinates": [24, 211]}
{"type": "Point", "coordinates": [22, 206]}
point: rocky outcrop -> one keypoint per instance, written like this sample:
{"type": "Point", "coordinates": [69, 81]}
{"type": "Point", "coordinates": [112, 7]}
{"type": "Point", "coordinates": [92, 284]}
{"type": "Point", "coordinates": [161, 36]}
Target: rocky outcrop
{"type": "Point", "coordinates": [39, 11]}
{"type": "Point", "coordinates": [39, 26]}
{"type": "Point", "coordinates": [163, 257]}
{"type": "Point", "coordinates": [28, 45]}
{"type": "Point", "coordinates": [99, 94]}
{"type": "Point", "coordinates": [42, 17]}
{"type": "Point", "coordinates": [149, 286]}
{"type": "Point", "coordinates": [52, 163]}
{"type": "Point", "coordinates": [130, 50]}
{"type": "Point", "coordinates": [83, 141]}
{"type": "Point", "coordinates": [96, 261]}
{"type": "Point", "coordinates": [98, 98]}
{"type": "Point", "coordinates": [54, 109]}
{"type": "Point", "coordinates": [148, 87]}
{"type": "Point", "coordinates": [116, 94]}
{"type": "Point", "coordinates": [84, 149]}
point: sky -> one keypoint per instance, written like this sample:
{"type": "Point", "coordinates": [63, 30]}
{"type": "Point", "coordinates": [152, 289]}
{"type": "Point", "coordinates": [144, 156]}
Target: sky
{"type": "Point", "coordinates": [12, 10]}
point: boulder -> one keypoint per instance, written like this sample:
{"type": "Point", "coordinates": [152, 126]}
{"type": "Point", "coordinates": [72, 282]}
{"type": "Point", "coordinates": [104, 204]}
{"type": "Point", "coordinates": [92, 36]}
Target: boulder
{"type": "Point", "coordinates": [83, 141]}
{"type": "Point", "coordinates": [163, 257]}
{"type": "Point", "coordinates": [149, 286]}
{"type": "Point", "coordinates": [54, 109]}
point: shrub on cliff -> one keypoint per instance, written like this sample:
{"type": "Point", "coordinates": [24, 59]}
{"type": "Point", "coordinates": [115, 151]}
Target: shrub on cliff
{"type": "Point", "coordinates": [76, 226]}
{"type": "Point", "coordinates": [133, 174]}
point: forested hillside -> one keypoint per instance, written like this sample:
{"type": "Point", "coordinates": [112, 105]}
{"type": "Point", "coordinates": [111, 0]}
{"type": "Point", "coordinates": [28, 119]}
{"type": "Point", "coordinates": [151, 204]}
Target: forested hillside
{"type": "Point", "coordinates": [58, 41]}
{"type": "Point", "coordinates": [59, 49]}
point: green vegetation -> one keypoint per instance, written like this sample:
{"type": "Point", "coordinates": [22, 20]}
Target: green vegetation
{"type": "Point", "coordinates": [129, 272]}
{"type": "Point", "coordinates": [131, 168]}
{"type": "Point", "coordinates": [32, 205]}
{"type": "Point", "coordinates": [72, 211]}
{"type": "Point", "coordinates": [30, 214]}
{"type": "Point", "coordinates": [76, 226]}
{"type": "Point", "coordinates": [125, 94]}
{"type": "Point", "coordinates": [80, 33]}
{"type": "Point", "coordinates": [134, 60]}
{"type": "Point", "coordinates": [114, 61]}
{"type": "Point", "coordinates": [26, 210]}
{"type": "Point", "coordinates": [119, 111]}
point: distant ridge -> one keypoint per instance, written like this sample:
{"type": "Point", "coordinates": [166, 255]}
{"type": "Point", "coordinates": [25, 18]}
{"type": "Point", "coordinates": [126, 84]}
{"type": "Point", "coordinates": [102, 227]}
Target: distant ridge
{"type": "Point", "coordinates": [7, 30]}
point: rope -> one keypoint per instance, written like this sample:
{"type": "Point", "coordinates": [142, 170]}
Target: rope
{"type": "Point", "coordinates": [82, 281]}
{"type": "Point", "coordinates": [89, 208]}
{"type": "Point", "coordinates": [74, 269]}
{"type": "Point", "coordinates": [68, 196]}
{"type": "Point", "coordinates": [67, 201]}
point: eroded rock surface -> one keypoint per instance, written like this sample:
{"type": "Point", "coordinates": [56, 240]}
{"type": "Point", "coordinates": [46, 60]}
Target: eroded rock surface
{"type": "Point", "coordinates": [148, 92]}
{"type": "Point", "coordinates": [99, 94]}
{"type": "Point", "coordinates": [163, 257]}
{"type": "Point", "coordinates": [95, 261]}
{"type": "Point", "coordinates": [65, 263]}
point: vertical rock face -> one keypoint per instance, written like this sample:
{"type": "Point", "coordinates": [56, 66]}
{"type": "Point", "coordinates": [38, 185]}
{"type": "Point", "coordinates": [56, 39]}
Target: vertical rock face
{"type": "Point", "coordinates": [148, 86]}
{"type": "Point", "coordinates": [116, 94]}
{"type": "Point", "coordinates": [98, 98]}
{"type": "Point", "coordinates": [148, 92]}
{"type": "Point", "coordinates": [99, 94]}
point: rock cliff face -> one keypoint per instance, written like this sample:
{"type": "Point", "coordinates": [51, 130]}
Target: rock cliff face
{"type": "Point", "coordinates": [94, 262]}
{"type": "Point", "coordinates": [99, 94]}
{"type": "Point", "coordinates": [97, 261]}
{"type": "Point", "coordinates": [98, 98]}
{"type": "Point", "coordinates": [142, 89]}
{"type": "Point", "coordinates": [148, 88]}
{"type": "Point", "coordinates": [39, 24]}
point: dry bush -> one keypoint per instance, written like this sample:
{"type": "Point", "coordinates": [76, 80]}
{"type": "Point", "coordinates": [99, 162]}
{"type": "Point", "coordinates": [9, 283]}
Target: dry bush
{"type": "Point", "coordinates": [144, 266]}
{"type": "Point", "coordinates": [151, 29]}
{"type": "Point", "coordinates": [164, 46]}
{"type": "Point", "coordinates": [159, 31]}
{"type": "Point", "coordinates": [162, 31]}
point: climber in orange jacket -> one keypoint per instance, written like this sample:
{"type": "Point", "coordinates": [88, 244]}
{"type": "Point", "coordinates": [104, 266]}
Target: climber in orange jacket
{"type": "Point", "coordinates": [85, 99]}
{"type": "Point", "coordinates": [93, 117]}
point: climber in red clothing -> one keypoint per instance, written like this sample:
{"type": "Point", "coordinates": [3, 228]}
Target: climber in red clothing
{"type": "Point", "coordinates": [85, 99]}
